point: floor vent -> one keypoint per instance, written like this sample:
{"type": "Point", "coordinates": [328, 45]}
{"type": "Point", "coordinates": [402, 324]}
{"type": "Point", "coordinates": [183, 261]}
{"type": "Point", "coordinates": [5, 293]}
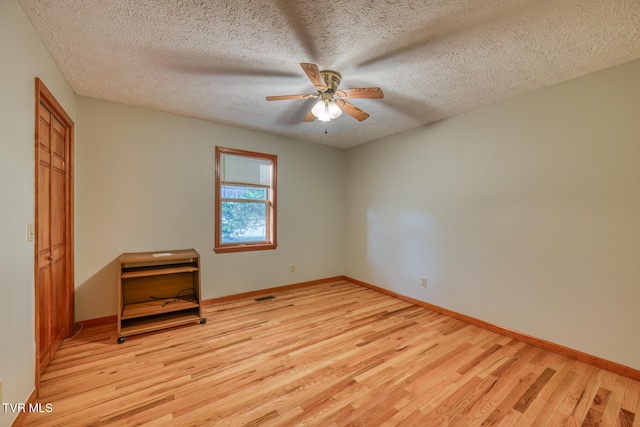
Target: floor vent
{"type": "Point", "coordinates": [265, 298]}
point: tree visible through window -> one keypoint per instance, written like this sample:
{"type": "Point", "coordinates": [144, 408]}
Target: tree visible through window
{"type": "Point", "coordinates": [242, 219]}
{"type": "Point", "coordinates": [245, 200]}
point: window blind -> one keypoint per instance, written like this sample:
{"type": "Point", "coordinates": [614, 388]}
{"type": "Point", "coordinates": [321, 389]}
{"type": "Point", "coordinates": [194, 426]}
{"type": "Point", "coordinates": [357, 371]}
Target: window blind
{"type": "Point", "coordinates": [245, 170]}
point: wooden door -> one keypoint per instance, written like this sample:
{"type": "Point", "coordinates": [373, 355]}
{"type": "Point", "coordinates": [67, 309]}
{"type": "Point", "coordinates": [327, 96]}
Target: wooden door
{"type": "Point", "coordinates": [54, 254]}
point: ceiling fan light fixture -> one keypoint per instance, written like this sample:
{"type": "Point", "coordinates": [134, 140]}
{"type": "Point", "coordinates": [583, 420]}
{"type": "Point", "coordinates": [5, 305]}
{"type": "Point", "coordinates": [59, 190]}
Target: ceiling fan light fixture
{"type": "Point", "coordinates": [321, 111]}
{"type": "Point", "coordinates": [326, 110]}
{"type": "Point", "coordinates": [334, 110]}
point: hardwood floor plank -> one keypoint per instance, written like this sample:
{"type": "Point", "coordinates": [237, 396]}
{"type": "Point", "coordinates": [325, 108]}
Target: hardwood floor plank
{"type": "Point", "coordinates": [611, 412]}
{"type": "Point", "coordinates": [517, 389]}
{"type": "Point", "coordinates": [532, 392]}
{"type": "Point", "coordinates": [479, 358]}
{"type": "Point", "coordinates": [632, 396]}
{"type": "Point", "coordinates": [463, 394]}
{"type": "Point", "coordinates": [594, 415]}
{"type": "Point", "coordinates": [550, 399]}
{"type": "Point", "coordinates": [586, 397]}
{"type": "Point", "coordinates": [329, 354]}
{"type": "Point", "coordinates": [625, 419]}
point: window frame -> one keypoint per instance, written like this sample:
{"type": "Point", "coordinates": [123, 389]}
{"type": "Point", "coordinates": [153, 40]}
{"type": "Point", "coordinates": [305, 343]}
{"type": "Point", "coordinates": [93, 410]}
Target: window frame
{"type": "Point", "coordinates": [271, 205]}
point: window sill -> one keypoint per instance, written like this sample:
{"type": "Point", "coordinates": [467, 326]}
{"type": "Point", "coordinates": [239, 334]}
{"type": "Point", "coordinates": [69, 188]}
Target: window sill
{"type": "Point", "coordinates": [244, 248]}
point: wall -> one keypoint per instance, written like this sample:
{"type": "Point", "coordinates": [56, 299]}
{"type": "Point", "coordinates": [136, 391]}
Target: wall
{"type": "Point", "coordinates": [145, 182]}
{"type": "Point", "coordinates": [24, 57]}
{"type": "Point", "coordinates": [524, 213]}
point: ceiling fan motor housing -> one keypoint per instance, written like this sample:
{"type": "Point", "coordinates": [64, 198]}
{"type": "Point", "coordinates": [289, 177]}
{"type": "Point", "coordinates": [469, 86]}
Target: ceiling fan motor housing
{"type": "Point", "coordinates": [332, 80]}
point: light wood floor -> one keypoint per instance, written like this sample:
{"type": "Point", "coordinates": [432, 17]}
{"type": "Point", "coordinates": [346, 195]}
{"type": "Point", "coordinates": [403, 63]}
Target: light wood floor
{"type": "Point", "coordinates": [333, 354]}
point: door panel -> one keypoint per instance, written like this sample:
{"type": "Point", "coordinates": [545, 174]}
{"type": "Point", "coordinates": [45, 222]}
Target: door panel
{"type": "Point", "coordinates": [58, 193]}
{"type": "Point", "coordinates": [58, 234]}
{"type": "Point", "coordinates": [58, 308]}
{"type": "Point", "coordinates": [44, 184]}
{"type": "Point", "coordinates": [43, 289]}
{"type": "Point", "coordinates": [43, 295]}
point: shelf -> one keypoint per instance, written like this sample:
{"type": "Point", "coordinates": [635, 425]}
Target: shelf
{"type": "Point", "coordinates": [153, 323]}
{"type": "Point", "coordinates": [183, 254]}
{"type": "Point", "coordinates": [147, 275]}
{"type": "Point", "coordinates": [160, 306]}
{"type": "Point", "coordinates": [158, 271]}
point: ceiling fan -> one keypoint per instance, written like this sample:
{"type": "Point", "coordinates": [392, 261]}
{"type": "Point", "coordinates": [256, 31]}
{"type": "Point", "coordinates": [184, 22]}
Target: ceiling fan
{"type": "Point", "coordinates": [331, 105]}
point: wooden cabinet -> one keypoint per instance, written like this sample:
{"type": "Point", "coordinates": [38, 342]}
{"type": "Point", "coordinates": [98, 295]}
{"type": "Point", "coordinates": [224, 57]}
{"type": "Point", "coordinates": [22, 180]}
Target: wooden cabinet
{"type": "Point", "coordinates": [158, 290]}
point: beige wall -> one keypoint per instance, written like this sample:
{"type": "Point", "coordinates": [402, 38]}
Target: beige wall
{"type": "Point", "coordinates": [525, 213]}
{"type": "Point", "coordinates": [24, 58]}
{"type": "Point", "coordinates": [145, 182]}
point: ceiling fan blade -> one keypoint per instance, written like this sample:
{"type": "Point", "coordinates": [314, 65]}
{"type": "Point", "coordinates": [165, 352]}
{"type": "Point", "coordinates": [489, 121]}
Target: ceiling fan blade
{"type": "Point", "coordinates": [352, 110]}
{"type": "Point", "coordinates": [285, 97]}
{"type": "Point", "coordinates": [309, 117]}
{"type": "Point", "coordinates": [314, 75]}
{"type": "Point", "coordinates": [363, 92]}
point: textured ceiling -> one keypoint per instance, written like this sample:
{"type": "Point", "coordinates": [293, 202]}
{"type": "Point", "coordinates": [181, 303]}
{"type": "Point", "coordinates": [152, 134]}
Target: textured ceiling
{"type": "Point", "coordinates": [217, 60]}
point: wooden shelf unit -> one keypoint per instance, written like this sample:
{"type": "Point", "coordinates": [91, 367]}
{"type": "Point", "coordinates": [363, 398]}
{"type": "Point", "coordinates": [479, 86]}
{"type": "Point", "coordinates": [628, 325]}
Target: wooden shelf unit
{"type": "Point", "coordinates": [158, 290]}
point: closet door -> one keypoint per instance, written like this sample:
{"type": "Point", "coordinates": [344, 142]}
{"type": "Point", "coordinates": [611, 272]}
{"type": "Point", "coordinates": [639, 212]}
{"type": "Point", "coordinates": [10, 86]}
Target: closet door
{"type": "Point", "coordinates": [54, 296]}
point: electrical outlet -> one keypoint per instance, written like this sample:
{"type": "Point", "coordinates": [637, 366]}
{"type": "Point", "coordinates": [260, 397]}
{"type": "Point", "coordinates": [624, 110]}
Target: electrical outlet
{"type": "Point", "coordinates": [292, 268]}
{"type": "Point", "coordinates": [424, 282]}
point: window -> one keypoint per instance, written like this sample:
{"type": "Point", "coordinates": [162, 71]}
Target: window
{"type": "Point", "coordinates": [245, 200]}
